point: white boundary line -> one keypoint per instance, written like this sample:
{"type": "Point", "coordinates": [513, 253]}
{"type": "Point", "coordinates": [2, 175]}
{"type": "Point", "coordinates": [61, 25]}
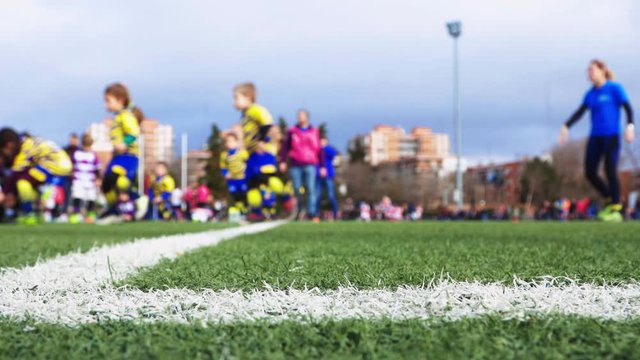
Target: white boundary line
{"type": "Point", "coordinates": [76, 289]}
{"type": "Point", "coordinates": [102, 265]}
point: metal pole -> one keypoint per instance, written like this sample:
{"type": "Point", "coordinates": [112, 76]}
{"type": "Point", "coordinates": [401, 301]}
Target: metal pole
{"type": "Point", "coordinates": [183, 175]}
{"type": "Point", "coordinates": [455, 30]}
{"type": "Point", "coordinates": [141, 165]}
{"type": "Point", "coordinates": [458, 125]}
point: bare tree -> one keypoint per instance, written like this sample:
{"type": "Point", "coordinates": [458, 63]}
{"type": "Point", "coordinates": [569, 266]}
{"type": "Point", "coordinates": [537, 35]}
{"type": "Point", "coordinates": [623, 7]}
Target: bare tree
{"type": "Point", "coordinates": [568, 162]}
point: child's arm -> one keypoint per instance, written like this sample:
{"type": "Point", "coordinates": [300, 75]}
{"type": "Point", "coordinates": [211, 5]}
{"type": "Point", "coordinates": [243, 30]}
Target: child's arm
{"type": "Point", "coordinates": [223, 165]}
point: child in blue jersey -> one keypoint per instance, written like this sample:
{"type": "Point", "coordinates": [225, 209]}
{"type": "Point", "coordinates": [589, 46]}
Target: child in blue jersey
{"type": "Point", "coordinates": [327, 182]}
{"type": "Point", "coordinates": [604, 100]}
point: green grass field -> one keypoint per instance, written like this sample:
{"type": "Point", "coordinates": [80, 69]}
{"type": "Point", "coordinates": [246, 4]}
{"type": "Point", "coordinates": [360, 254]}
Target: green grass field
{"type": "Point", "coordinates": [480, 338]}
{"type": "Point", "coordinates": [388, 254]}
{"type": "Point", "coordinates": [377, 255]}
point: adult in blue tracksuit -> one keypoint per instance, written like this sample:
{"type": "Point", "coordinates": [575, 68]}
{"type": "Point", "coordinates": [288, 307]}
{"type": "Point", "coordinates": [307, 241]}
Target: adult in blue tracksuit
{"type": "Point", "coordinates": [604, 101]}
{"type": "Point", "coordinates": [327, 182]}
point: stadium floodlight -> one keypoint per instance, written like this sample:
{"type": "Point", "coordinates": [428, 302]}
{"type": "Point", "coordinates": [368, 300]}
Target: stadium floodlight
{"type": "Point", "coordinates": [455, 30]}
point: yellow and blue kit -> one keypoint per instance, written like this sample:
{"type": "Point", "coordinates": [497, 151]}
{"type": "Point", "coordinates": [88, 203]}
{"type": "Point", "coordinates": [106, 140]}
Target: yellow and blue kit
{"type": "Point", "coordinates": [43, 155]}
{"type": "Point", "coordinates": [125, 129]}
{"type": "Point", "coordinates": [121, 171]}
{"type": "Point", "coordinates": [256, 123]}
{"type": "Point", "coordinates": [263, 183]}
{"type": "Point", "coordinates": [37, 162]}
{"type": "Point", "coordinates": [233, 162]}
{"type": "Point", "coordinates": [261, 167]}
{"type": "Point", "coordinates": [162, 187]}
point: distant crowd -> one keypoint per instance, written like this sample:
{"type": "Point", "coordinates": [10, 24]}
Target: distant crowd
{"type": "Point", "coordinates": [562, 209]}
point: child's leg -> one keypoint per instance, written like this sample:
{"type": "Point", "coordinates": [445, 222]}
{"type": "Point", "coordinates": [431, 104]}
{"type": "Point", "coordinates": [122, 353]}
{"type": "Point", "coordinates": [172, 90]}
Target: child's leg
{"type": "Point", "coordinates": [238, 192]}
{"type": "Point", "coordinates": [120, 175]}
{"type": "Point", "coordinates": [254, 197]}
{"type": "Point", "coordinates": [77, 205]}
{"type": "Point", "coordinates": [22, 188]}
{"type": "Point", "coordinates": [331, 193]}
{"type": "Point", "coordinates": [27, 194]}
{"type": "Point", "coordinates": [320, 183]}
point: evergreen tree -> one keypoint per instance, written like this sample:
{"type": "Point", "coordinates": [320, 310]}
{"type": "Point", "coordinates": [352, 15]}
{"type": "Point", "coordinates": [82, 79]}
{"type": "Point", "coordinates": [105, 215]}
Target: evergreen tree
{"type": "Point", "coordinates": [357, 150]}
{"type": "Point", "coordinates": [540, 182]}
{"type": "Point", "coordinates": [323, 130]}
{"type": "Point", "coordinates": [213, 176]}
{"type": "Point", "coordinates": [284, 126]}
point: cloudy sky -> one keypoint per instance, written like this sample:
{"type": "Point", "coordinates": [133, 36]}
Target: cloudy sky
{"type": "Point", "coordinates": [352, 63]}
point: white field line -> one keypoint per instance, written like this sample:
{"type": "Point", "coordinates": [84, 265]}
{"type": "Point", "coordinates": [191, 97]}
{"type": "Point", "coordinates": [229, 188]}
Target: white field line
{"type": "Point", "coordinates": [76, 289]}
{"type": "Point", "coordinates": [102, 265]}
{"type": "Point", "coordinates": [446, 300]}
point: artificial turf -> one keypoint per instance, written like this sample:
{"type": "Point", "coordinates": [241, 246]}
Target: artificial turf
{"type": "Point", "coordinates": [474, 338]}
{"type": "Point", "coordinates": [388, 255]}
{"type": "Point", "coordinates": [23, 245]}
{"type": "Point", "coordinates": [328, 255]}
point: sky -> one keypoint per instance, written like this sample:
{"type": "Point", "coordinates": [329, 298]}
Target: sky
{"type": "Point", "coordinates": [352, 63]}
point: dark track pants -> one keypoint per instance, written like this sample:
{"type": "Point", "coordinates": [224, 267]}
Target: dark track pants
{"type": "Point", "coordinates": [607, 147]}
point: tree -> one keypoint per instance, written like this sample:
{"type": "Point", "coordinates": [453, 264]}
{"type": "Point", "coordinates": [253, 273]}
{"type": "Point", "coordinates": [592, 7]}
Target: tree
{"type": "Point", "coordinates": [213, 176]}
{"type": "Point", "coordinates": [323, 130]}
{"type": "Point", "coordinates": [540, 182]}
{"type": "Point", "coordinates": [357, 151]}
{"type": "Point", "coordinates": [283, 125]}
{"type": "Point", "coordinates": [568, 162]}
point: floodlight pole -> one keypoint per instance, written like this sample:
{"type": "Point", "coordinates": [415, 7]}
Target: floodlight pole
{"type": "Point", "coordinates": [455, 30]}
{"type": "Point", "coordinates": [184, 162]}
{"type": "Point", "coordinates": [141, 169]}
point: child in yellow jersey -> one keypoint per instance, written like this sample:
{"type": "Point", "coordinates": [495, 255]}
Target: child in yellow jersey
{"type": "Point", "coordinates": [162, 187]}
{"type": "Point", "coordinates": [33, 162]}
{"type": "Point", "coordinates": [125, 132]}
{"type": "Point", "coordinates": [233, 164]}
{"type": "Point", "coordinates": [262, 162]}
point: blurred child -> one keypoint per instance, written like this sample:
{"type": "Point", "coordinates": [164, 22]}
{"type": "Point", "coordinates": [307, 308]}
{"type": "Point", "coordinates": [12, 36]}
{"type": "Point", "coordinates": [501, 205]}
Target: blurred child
{"type": "Point", "coordinates": [177, 198]}
{"type": "Point", "coordinates": [233, 163]}
{"type": "Point", "coordinates": [327, 182]}
{"type": "Point", "coordinates": [33, 162]}
{"type": "Point", "coordinates": [85, 182]}
{"type": "Point", "coordinates": [125, 207]}
{"type": "Point", "coordinates": [203, 196]}
{"type": "Point", "coordinates": [365, 211]}
{"type": "Point", "coordinates": [201, 200]}
{"type": "Point", "coordinates": [125, 131]}
{"type": "Point", "coordinates": [388, 210]}
{"type": "Point", "coordinates": [162, 187]}
{"type": "Point", "coordinates": [262, 149]}
{"type": "Point", "coordinates": [52, 199]}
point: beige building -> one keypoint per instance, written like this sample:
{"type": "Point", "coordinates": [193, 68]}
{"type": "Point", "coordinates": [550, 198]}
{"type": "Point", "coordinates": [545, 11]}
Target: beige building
{"type": "Point", "coordinates": [389, 144]}
{"type": "Point", "coordinates": [196, 164]}
{"type": "Point", "coordinates": [158, 142]}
